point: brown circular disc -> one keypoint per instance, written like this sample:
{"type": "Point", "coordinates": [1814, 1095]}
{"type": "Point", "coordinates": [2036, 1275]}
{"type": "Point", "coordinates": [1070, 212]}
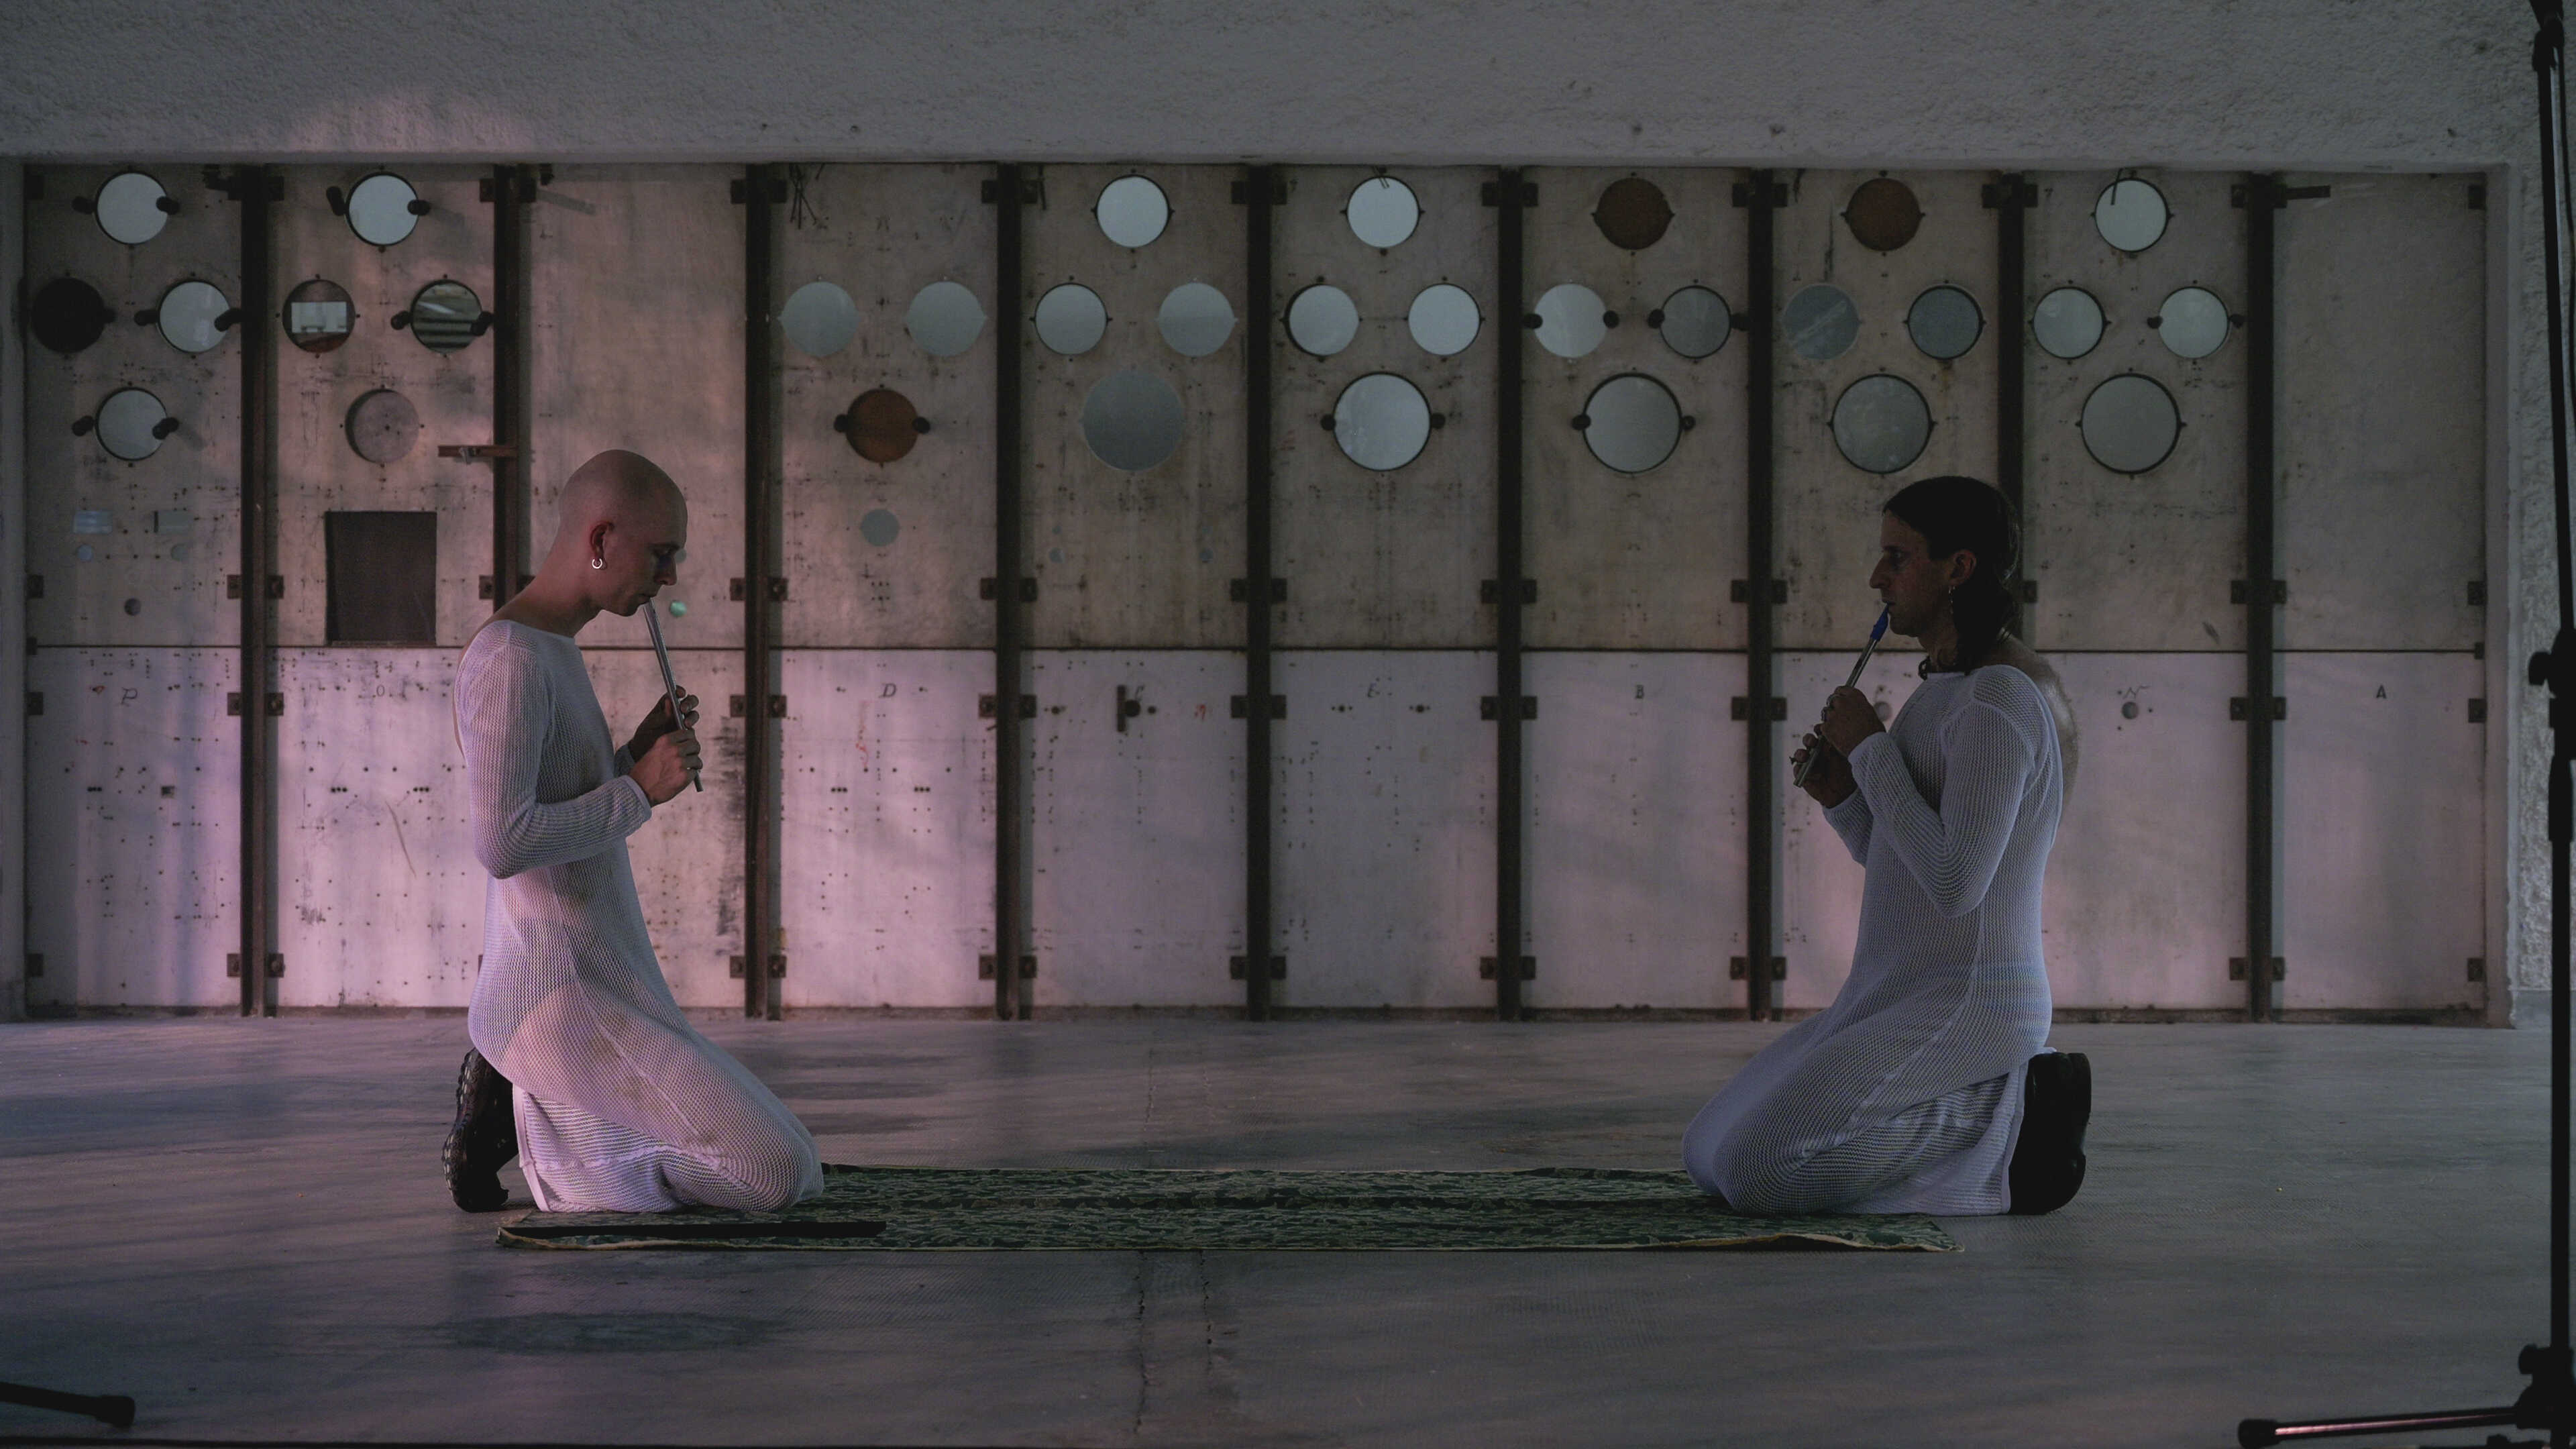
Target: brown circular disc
{"type": "Point", "coordinates": [1633, 214]}
{"type": "Point", "coordinates": [318, 315]}
{"type": "Point", "coordinates": [882, 425]}
{"type": "Point", "coordinates": [1883, 214]}
{"type": "Point", "coordinates": [383, 425]}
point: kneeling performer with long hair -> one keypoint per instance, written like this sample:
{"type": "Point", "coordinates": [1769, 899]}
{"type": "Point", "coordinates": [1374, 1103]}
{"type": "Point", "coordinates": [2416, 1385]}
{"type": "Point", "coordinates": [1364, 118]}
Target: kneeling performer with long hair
{"type": "Point", "coordinates": [620, 1105]}
{"type": "Point", "coordinates": [1924, 1087]}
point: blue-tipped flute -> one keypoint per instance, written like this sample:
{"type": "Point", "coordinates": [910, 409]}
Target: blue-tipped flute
{"type": "Point", "coordinates": [671, 682]}
{"type": "Point", "coordinates": [1807, 766]}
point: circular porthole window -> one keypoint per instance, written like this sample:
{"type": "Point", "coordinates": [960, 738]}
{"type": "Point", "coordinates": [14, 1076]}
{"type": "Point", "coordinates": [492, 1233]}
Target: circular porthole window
{"type": "Point", "coordinates": [1382, 422]}
{"type": "Point", "coordinates": [2192, 323]}
{"type": "Point", "coordinates": [1196, 319]}
{"type": "Point", "coordinates": [319, 315]}
{"type": "Point", "coordinates": [1071, 320]}
{"type": "Point", "coordinates": [1881, 424]}
{"type": "Point", "coordinates": [1132, 211]}
{"type": "Point", "coordinates": [819, 319]}
{"type": "Point", "coordinates": [132, 423]}
{"type": "Point", "coordinates": [1632, 213]}
{"type": "Point", "coordinates": [1571, 320]}
{"type": "Point", "coordinates": [2131, 214]}
{"type": "Point", "coordinates": [1444, 320]}
{"type": "Point", "coordinates": [446, 316]}
{"type": "Point", "coordinates": [882, 425]}
{"type": "Point", "coordinates": [68, 315]}
{"type": "Point", "coordinates": [382, 427]}
{"type": "Point", "coordinates": [383, 209]}
{"type": "Point", "coordinates": [1382, 212]}
{"type": "Point", "coordinates": [193, 316]}
{"type": "Point", "coordinates": [1322, 320]}
{"type": "Point", "coordinates": [1820, 322]}
{"type": "Point", "coordinates": [132, 208]}
{"type": "Point", "coordinates": [2130, 423]}
{"type": "Point", "coordinates": [1883, 214]}
{"type": "Point", "coordinates": [1132, 420]}
{"type": "Point", "coordinates": [1694, 322]}
{"type": "Point", "coordinates": [1944, 322]}
{"type": "Point", "coordinates": [1632, 423]}
{"type": "Point", "coordinates": [2067, 323]}
{"type": "Point", "coordinates": [944, 319]}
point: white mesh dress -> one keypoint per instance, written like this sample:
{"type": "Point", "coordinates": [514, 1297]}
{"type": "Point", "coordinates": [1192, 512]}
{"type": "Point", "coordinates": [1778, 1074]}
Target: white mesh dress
{"type": "Point", "coordinates": [1905, 1095]}
{"type": "Point", "coordinates": [621, 1105]}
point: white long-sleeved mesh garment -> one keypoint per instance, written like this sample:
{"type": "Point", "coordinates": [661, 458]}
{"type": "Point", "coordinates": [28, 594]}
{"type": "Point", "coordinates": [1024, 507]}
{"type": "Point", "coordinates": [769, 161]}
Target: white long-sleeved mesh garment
{"type": "Point", "coordinates": [1905, 1094]}
{"type": "Point", "coordinates": [622, 1106]}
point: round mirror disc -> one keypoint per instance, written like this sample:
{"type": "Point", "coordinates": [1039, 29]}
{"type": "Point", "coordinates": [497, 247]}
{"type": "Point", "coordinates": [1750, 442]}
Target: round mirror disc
{"type": "Point", "coordinates": [2130, 424]}
{"type": "Point", "coordinates": [383, 426]}
{"type": "Point", "coordinates": [819, 319]}
{"type": "Point", "coordinates": [1322, 320]}
{"type": "Point", "coordinates": [1881, 424]}
{"type": "Point", "coordinates": [1071, 319]}
{"type": "Point", "coordinates": [1632, 423]}
{"type": "Point", "coordinates": [1381, 422]}
{"type": "Point", "coordinates": [1132, 420]}
{"type": "Point", "coordinates": [1444, 320]}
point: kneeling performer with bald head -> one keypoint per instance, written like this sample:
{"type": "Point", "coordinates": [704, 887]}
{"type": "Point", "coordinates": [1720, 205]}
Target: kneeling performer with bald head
{"type": "Point", "coordinates": [620, 1105]}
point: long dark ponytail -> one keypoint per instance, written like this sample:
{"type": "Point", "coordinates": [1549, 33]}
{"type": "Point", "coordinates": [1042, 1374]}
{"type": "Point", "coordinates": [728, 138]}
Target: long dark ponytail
{"type": "Point", "coordinates": [1953, 513]}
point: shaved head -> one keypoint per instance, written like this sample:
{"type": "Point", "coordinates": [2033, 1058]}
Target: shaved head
{"type": "Point", "coordinates": [615, 487]}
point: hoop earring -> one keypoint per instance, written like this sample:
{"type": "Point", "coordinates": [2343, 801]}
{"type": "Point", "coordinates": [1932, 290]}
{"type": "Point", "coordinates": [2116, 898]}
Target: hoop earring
{"type": "Point", "coordinates": [598, 563]}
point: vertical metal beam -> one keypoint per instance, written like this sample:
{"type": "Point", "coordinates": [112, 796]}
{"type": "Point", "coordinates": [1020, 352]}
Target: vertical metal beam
{"type": "Point", "coordinates": [1257, 924]}
{"type": "Point", "coordinates": [1761, 841]}
{"type": "Point", "coordinates": [1508, 792]}
{"type": "Point", "coordinates": [763, 960]}
{"type": "Point", "coordinates": [513, 398]}
{"type": "Point", "coordinates": [2012, 283]}
{"type": "Point", "coordinates": [2262, 200]}
{"type": "Point", "coordinates": [1010, 845]}
{"type": "Point", "coordinates": [251, 190]}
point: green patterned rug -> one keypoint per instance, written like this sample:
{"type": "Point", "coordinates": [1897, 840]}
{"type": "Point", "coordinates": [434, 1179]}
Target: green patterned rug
{"type": "Point", "coordinates": [916, 1209]}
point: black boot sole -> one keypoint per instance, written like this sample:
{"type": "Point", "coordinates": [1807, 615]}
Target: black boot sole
{"type": "Point", "coordinates": [2057, 1105]}
{"type": "Point", "coordinates": [483, 1140]}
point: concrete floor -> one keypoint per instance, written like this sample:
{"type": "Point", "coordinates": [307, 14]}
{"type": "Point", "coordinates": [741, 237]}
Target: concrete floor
{"type": "Point", "coordinates": [241, 1224]}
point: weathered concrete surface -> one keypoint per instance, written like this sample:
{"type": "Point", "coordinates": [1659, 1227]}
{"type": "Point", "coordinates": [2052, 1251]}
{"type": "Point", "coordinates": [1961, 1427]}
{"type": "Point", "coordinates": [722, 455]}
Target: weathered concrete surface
{"type": "Point", "coordinates": [241, 1225]}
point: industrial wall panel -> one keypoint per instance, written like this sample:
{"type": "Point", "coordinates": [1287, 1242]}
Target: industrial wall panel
{"type": "Point", "coordinates": [1820, 884]}
{"type": "Point", "coordinates": [320, 425]}
{"type": "Point", "coordinates": [2383, 412]}
{"type": "Point", "coordinates": [887, 554]}
{"type": "Point", "coordinates": [886, 830]}
{"type": "Point", "coordinates": [1385, 829]}
{"type": "Point", "coordinates": [382, 898]}
{"type": "Point", "coordinates": [1383, 559]}
{"type": "Point", "coordinates": [2146, 886]}
{"type": "Point", "coordinates": [638, 314]}
{"type": "Point", "coordinates": [134, 818]}
{"type": "Point", "coordinates": [1134, 558]}
{"type": "Point", "coordinates": [688, 858]}
{"type": "Point", "coordinates": [2383, 831]}
{"type": "Point", "coordinates": [1636, 830]}
{"type": "Point", "coordinates": [1136, 828]}
{"type": "Point", "coordinates": [133, 553]}
{"type": "Point", "coordinates": [2136, 560]}
{"type": "Point", "coordinates": [1828, 505]}
{"type": "Point", "coordinates": [1636, 559]}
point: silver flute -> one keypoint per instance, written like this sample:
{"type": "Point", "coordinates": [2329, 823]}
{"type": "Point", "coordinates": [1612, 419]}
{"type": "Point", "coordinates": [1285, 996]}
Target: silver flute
{"type": "Point", "coordinates": [671, 682]}
{"type": "Point", "coordinates": [1807, 766]}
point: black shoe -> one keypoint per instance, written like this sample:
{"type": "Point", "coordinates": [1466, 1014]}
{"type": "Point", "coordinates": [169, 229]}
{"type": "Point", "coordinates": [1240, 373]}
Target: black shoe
{"type": "Point", "coordinates": [2048, 1161]}
{"type": "Point", "coordinates": [484, 1139]}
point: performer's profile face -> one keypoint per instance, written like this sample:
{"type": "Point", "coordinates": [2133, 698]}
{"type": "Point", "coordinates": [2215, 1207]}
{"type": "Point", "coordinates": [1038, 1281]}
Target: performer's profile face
{"type": "Point", "coordinates": [651, 562]}
{"type": "Point", "coordinates": [1909, 579]}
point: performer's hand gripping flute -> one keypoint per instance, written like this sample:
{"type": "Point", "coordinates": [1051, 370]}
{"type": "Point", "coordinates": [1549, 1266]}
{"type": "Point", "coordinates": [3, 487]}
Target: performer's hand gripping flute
{"type": "Point", "coordinates": [671, 683]}
{"type": "Point", "coordinates": [1806, 767]}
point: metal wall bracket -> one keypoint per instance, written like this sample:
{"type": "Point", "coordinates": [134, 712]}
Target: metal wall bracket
{"type": "Point", "coordinates": [777, 590]}
{"type": "Point", "coordinates": [1491, 707]}
{"type": "Point", "coordinates": [1032, 191]}
{"type": "Point", "coordinates": [1241, 192]}
{"type": "Point", "coordinates": [2236, 968]}
{"type": "Point", "coordinates": [1240, 590]}
{"type": "Point", "coordinates": [2280, 591]}
{"type": "Point", "coordinates": [1241, 706]}
{"type": "Point", "coordinates": [1485, 967]}
{"type": "Point", "coordinates": [1736, 968]}
{"type": "Point", "coordinates": [1490, 591]}
{"type": "Point", "coordinates": [986, 708]}
{"type": "Point", "coordinates": [1741, 591]}
{"type": "Point", "coordinates": [1491, 193]}
{"type": "Point", "coordinates": [2236, 708]}
{"type": "Point", "coordinates": [984, 966]}
{"type": "Point", "coordinates": [478, 452]}
{"type": "Point", "coordinates": [2282, 196]}
{"type": "Point", "coordinates": [1742, 708]}
{"type": "Point", "coordinates": [1129, 706]}
{"type": "Point", "coordinates": [1742, 194]}
{"type": "Point", "coordinates": [738, 706]}
{"type": "Point", "coordinates": [1991, 196]}
{"type": "Point", "coordinates": [276, 705]}
{"type": "Point", "coordinates": [274, 968]}
{"type": "Point", "coordinates": [1238, 965]}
